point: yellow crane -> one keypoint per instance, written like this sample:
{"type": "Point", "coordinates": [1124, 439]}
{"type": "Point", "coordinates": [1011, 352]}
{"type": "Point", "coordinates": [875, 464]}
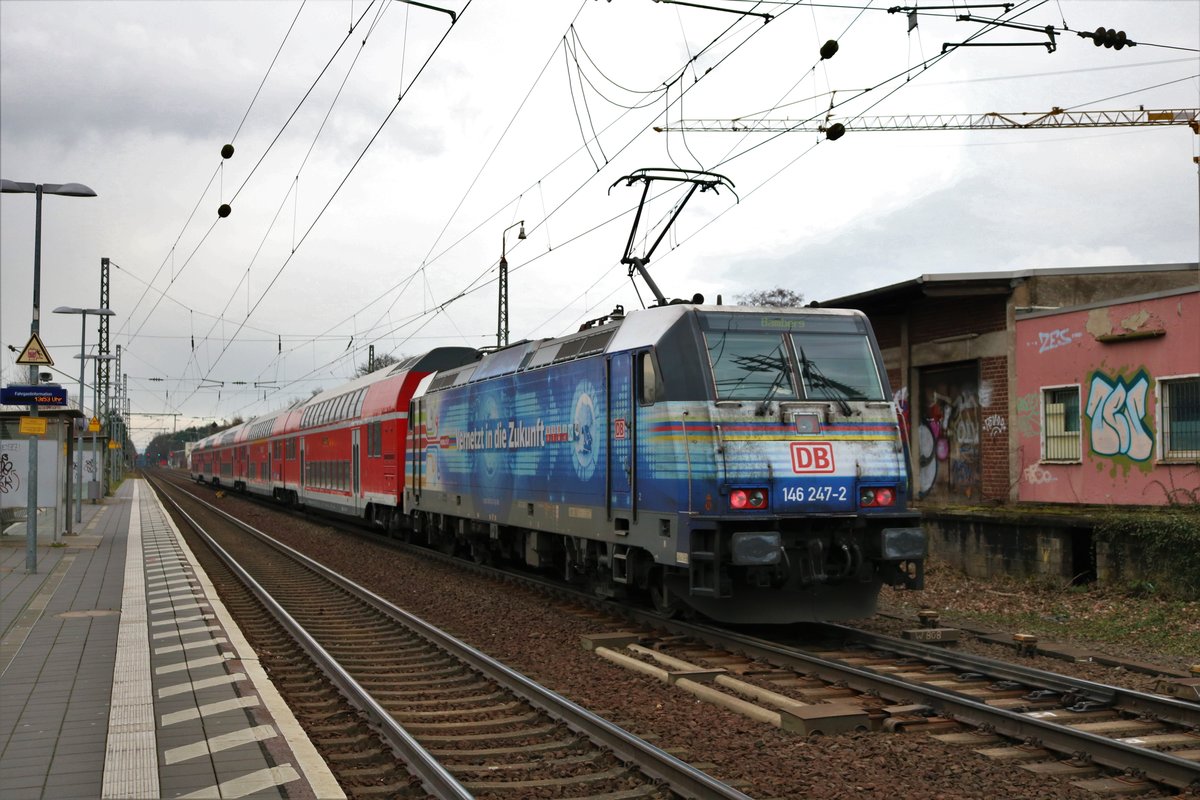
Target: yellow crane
{"type": "Point", "coordinates": [1055, 118]}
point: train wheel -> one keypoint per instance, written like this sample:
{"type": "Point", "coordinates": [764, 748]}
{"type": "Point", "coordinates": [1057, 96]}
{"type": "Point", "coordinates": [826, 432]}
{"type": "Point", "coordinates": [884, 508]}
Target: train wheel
{"type": "Point", "coordinates": [664, 600]}
{"type": "Point", "coordinates": [481, 553]}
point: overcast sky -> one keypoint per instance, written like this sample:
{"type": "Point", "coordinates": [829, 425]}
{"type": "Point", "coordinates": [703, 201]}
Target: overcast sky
{"type": "Point", "coordinates": [357, 219]}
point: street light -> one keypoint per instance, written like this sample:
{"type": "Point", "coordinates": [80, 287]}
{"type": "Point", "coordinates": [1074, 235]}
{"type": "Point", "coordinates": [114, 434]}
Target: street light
{"type": "Point", "coordinates": [82, 312]}
{"type": "Point", "coordinates": [37, 189]}
{"type": "Point", "coordinates": [502, 315]}
{"type": "Point", "coordinates": [97, 469]}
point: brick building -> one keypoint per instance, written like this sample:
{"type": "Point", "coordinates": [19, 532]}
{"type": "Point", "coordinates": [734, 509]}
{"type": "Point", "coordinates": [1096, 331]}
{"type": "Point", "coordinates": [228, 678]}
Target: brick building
{"type": "Point", "coordinates": [950, 342]}
{"type": "Point", "coordinates": [1031, 389]}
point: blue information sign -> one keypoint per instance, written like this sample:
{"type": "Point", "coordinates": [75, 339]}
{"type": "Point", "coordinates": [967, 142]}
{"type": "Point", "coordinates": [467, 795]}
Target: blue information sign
{"type": "Point", "coordinates": [33, 396]}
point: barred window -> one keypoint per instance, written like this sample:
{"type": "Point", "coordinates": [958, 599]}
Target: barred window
{"type": "Point", "coordinates": [1060, 424]}
{"type": "Point", "coordinates": [1180, 418]}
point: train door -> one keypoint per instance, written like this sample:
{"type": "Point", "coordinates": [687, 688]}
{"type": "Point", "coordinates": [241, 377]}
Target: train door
{"type": "Point", "coordinates": [622, 507]}
{"type": "Point", "coordinates": [302, 478]}
{"type": "Point", "coordinates": [354, 467]}
{"type": "Point", "coordinates": [416, 454]}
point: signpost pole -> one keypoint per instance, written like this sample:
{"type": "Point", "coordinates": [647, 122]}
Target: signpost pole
{"type": "Point", "coordinates": [68, 190]}
{"type": "Point", "coordinates": [34, 328]}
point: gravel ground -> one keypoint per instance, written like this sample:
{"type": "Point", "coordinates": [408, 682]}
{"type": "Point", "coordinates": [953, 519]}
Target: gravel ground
{"type": "Point", "coordinates": [521, 629]}
{"type": "Point", "coordinates": [973, 603]}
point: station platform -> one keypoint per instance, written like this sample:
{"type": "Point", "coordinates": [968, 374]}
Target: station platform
{"type": "Point", "coordinates": [123, 676]}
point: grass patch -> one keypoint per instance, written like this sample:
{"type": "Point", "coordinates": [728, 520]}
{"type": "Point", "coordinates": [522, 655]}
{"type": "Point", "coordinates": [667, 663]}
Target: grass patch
{"type": "Point", "coordinates": [1111, 619]}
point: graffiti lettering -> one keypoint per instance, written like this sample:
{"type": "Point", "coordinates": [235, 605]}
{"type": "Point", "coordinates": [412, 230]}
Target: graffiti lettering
{"type": "Point", "coordinates": [985, 393]}
{"type": "Point", "coordinates": [1117, 410]}
{"type": "Point", "coordinates": [995, 425]}
{"type": "Point", "coordinates": [963, 474]}
{"type": "Point", "coordinates": [948, 434]}
{"type": "Point", "coordinates": [9, 480]}
{"type": "Point", "coordinates": [1049, 340]}
{"type": "Point", "coordinates": [1028, 421]}
{"type": "Point", "coordinates": [1036, 474]}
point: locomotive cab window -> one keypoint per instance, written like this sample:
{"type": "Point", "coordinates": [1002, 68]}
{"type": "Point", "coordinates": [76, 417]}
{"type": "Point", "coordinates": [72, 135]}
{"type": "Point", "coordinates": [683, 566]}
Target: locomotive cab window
{"type": "Point", "coordinates": [837, 366]}
{"type": "Point", "coordinates": [650, 386]}
{"type": "Point", "coordinates": [749, 365]}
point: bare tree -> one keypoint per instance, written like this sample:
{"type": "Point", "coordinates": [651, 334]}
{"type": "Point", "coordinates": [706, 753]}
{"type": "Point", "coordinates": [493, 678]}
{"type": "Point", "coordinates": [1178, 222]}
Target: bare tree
{"type": "Point", "coordinates": [771, 298]}
{"type": "Point", "coordinates": [381, 361]}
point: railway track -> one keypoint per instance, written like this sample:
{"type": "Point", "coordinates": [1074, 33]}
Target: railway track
{"type": "Point", "coordinates": [1106, 739]}
{"type": "Point", "coordinates": [464, 724]}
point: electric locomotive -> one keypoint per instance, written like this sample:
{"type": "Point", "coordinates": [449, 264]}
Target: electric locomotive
{"type": "Point", "coordinates": [743, 462]}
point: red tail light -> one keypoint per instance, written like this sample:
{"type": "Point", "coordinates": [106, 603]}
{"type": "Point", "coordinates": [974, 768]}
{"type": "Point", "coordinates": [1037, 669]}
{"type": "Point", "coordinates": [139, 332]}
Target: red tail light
{"type": "Point", "coordinates": [876, 497]}
{"type": "Point", "coordinates": [753, 499]}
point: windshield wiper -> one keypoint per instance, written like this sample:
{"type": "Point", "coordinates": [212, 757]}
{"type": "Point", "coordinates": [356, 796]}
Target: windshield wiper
{"type": "Point", "coordinates": [811, 374]}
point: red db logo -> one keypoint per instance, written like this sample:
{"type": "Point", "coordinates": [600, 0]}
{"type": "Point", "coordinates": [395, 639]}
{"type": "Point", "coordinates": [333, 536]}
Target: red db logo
{"type": "Point", "coordinates": [809, 457]}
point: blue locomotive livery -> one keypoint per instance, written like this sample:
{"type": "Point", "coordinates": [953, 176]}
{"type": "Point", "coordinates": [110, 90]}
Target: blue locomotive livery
{"type": "Point", "coordinates": [744, 463]}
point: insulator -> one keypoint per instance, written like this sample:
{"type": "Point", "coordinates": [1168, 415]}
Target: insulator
{"type": "Point", "coordinates": [1121, 38]}
{"type": "Point", "coordinates": [227, 151]}
{"type": "Point", "coordinates": [829, 49]}
{"type": "Point", "coordinates": [1098, 37]}
{"type": "Point", "coordinates": [835, 131]}
{"type": "Point", "coordinates": [224, 210]}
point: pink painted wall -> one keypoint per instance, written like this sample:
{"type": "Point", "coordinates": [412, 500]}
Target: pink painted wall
{"type": "Point", "coordinates": [1115, 357]}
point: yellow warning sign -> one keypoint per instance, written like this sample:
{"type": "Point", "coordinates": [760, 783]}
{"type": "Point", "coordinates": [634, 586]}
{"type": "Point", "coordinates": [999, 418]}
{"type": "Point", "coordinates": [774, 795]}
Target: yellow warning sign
{"type": "Point", "coordinates": [34, 353]}
{"type": "Point", "coordinates": [113, 445]}
{"type": "Point", "coordinates": [34, 426]}
{"type": "Point", "coordinates": [94, 425]}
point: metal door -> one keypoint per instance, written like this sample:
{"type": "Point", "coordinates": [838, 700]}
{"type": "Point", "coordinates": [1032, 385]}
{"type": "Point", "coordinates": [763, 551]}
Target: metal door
{"type": "Point", "coordinates": [620, 427]}
{"type": "Point", "coordinates": [355, 465]}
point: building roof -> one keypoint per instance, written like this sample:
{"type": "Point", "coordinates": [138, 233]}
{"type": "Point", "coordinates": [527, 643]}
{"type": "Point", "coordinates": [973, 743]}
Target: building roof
{"type": "Point", "coordinates": [962, 284]}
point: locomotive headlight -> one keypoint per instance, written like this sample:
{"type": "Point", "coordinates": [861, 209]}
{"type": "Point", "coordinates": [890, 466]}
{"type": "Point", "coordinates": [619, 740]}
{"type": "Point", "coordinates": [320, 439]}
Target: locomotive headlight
{"type": "Point", "coordinates": [903, 544]}
{"type": "Point", "coordinates": [752, 548]}
{"type": "Point", "coordinates": [752, 499]}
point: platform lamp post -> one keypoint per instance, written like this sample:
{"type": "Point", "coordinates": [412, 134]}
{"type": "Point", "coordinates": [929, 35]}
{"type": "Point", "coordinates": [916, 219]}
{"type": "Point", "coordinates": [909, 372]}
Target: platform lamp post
{"type": "Point", "coordinates": [83, 314]}
{"type": "Point", "coordinates": [37, 189]}
{"type": "Point", "coordinates": [97, 457]}
{"type": "Point", "coordinates": [502, 315]}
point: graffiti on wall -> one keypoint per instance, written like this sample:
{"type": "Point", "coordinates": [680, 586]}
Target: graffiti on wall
{"type": "Point", "coordinates": [1028, 409]}
{"type": "Point", "coordinates": [900, 399]}
{"type": "Point", "coordinates": [995, 425]}
{"type": "Point", "coordinates": [1052, 340]}
{"type": "Point", "coordinates": [1116, 408]}
{"type": "Point", "coordinates": [1036, 475]}
{"type": "Point", "coordinates": [948, 434]}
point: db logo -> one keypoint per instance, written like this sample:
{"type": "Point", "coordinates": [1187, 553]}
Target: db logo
{"type": "Point", "coordinates": [619, 429]}
{"type": "Point", "coordinates": [812, 457]}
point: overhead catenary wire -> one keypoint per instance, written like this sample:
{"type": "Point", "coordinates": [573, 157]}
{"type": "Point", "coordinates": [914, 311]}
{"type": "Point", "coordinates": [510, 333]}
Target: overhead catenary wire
{"type": "Point", "coordinates": [439, 310]}
{"type": "Point", "coordinates": [346, 177]}
{"type": "Point", "coordinates": [474, 285]}
{"type": "Point", "coordinates": [441, 307]}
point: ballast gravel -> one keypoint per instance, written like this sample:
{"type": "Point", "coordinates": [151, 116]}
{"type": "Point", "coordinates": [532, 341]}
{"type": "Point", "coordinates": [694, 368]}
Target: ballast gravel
{"type": "Point", "coordinates": [522, 629]}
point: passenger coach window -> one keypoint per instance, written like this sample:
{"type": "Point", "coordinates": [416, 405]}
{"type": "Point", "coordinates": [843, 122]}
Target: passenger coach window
{"type": "Point", "coordinates": [749, 366]}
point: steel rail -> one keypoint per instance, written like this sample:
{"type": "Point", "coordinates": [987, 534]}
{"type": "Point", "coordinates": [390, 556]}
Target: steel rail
{"type": "Point", "coordinates": [1157, 766]}
{"type": "Point", "coordinates": [435, 779]}
{"type": "Point", "coordinates": [1165, 709]}
{"type": "Point", "coordinates": [680, 776]}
